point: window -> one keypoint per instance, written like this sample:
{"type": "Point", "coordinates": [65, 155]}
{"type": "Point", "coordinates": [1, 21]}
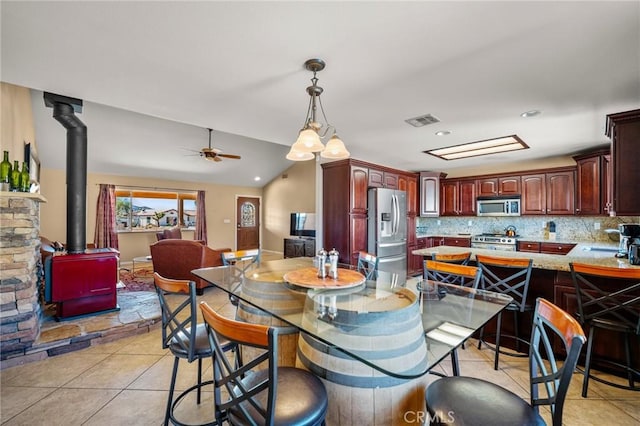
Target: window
{"type": "Point", "coordinates": [149, 210]}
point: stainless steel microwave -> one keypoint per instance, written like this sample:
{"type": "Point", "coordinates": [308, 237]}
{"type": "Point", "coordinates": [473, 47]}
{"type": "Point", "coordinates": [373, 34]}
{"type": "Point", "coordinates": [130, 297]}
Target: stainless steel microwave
{"type": "Point", "coordinates": [494, 206]}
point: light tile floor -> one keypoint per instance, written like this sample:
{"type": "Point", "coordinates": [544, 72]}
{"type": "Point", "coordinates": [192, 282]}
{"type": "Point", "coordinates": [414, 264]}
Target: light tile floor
{"type": "Point", "coordinates": [125, 382]}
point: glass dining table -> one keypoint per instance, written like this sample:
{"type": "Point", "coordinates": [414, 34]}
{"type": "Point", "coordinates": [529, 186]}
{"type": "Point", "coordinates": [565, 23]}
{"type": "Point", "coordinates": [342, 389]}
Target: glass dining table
{"type": "Point", "coordinates": [400, 330]}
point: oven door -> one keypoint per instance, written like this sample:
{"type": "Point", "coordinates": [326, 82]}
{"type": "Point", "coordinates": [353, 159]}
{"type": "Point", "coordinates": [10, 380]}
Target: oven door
{"type": "Point", "coordinates": [491, 246]}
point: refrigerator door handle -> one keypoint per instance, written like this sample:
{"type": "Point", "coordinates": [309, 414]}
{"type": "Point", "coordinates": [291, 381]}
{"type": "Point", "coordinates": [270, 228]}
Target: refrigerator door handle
{"type": "Point", "coordinates": [390, 259]}
{"type": "Point", "coordinates": [396, 213]}
{"type": "Point", "coordinates": [394, 244]}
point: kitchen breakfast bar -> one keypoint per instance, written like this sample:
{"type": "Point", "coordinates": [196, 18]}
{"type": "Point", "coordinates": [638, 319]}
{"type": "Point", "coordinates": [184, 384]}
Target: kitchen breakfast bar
{"type": "Point", "coordinates": [551, 279]}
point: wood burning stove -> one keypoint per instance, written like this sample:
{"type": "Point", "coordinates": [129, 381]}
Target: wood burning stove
{"type": "Point", "coordinates": [81, 281]}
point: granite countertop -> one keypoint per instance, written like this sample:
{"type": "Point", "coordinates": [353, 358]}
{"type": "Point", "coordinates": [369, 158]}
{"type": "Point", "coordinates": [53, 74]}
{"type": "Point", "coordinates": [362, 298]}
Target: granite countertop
{"type": "Point", "coordinates": [443, 235]}
{"type": "Point", "coordinates": [581, 253]}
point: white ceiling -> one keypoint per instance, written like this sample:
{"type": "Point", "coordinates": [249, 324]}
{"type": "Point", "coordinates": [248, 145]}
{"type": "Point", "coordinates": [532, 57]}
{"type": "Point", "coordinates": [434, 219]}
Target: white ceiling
{"type": "Point", "coordinates": [237, 67]}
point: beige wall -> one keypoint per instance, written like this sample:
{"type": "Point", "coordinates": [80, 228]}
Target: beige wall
{"type": "Point", "coordinates": [282, 196]}
{"type": "Point", "coordinates": [545, 163]}
{"type": "Point", "coordinates": [16, 125]}
{"type": "Point", "coordinates": [220, 201]}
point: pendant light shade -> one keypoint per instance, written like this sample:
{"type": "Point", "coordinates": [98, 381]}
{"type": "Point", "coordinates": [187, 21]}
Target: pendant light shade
{"type": "Point", "coordinates": [335, 149]}
{"type": "Point", "coordinates": [308, 141]}
{"type": "Point", "coordinates": [310, 137]}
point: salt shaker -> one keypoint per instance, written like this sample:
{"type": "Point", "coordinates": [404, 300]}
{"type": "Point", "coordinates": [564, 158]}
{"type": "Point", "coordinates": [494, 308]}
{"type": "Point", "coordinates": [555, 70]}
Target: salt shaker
{"type": "Point", "coordinates": [333, 262]}
{"type": "Point", "coordinates": [322, 259]}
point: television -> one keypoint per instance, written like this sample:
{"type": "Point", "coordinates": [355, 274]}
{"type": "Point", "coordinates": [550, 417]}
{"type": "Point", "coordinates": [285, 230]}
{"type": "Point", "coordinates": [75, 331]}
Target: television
{"type": "Point", "coordinates": [303, 225]}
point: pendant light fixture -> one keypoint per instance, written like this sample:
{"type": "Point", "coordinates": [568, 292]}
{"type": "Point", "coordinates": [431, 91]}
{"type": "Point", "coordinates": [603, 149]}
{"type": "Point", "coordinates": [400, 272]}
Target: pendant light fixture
{"type": "Point", "coordinates": [309, 139]}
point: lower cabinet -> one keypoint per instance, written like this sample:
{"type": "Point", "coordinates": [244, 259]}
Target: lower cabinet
{"type": "Point", "coordinates": [415, 263]}
{"type": "Point", "coordinates": [299, 247]}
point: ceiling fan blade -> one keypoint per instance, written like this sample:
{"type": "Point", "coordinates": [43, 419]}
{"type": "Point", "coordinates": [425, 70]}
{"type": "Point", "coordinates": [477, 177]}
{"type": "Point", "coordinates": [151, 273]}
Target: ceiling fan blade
{"type": "Point", "coordinates": [217, 158]}
{"type": "Point", "coordinates": [235, 157]}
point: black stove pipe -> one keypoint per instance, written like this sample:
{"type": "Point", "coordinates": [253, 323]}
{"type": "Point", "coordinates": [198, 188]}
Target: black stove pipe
{"type": "Point", "coordinates": [76, 172]}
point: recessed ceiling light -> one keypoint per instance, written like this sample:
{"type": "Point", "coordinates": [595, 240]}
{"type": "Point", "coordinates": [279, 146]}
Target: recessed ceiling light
{"type": "Point", "coordinates": [474, 149]}
{"type": "Point", "coordinates": [443, 133]}
{"type": "Point", "coordinates": [257, 178]}
{"type": "Point", "coordinates": [531, 113]}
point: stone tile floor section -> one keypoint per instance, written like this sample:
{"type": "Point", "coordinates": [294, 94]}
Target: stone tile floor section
{"type": "Point", "coordinates": [126, 382]}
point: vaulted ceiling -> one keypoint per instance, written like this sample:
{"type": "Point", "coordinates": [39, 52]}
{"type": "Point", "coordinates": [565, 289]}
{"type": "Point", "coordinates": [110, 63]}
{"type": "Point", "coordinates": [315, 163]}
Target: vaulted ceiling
{"type": "Point", "coordinates": [237, 67]}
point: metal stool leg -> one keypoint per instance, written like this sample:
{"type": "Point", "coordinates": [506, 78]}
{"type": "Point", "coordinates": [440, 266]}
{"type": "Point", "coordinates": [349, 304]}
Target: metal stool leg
{"type": "Point", "coordinates": [174, 374]}
{"type": "Point", "coordinates": [199, 391]}
{"type": "Point", "coordinates": [455, 366]}
{"type": "Point", "coordinates": [516, 329]}
{"type": "Point", "coordinates": [497, 354]}
{"type": "Point", "coordinates": [587, 362]}
{"type": "Point", "coordinates": [627, 351]}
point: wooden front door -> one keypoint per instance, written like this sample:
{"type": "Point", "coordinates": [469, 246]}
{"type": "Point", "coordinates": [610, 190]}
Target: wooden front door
{"type": "Point", "coordinates": [248, 223]}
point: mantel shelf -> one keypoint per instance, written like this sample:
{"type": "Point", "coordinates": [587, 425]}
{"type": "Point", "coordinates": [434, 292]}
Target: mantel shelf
{"type": "Point", "coordinates": [33, 196]}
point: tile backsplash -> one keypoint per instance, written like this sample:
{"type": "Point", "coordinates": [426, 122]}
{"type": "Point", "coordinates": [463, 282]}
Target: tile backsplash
{"type": "Point", "coordinates": [568, 228]}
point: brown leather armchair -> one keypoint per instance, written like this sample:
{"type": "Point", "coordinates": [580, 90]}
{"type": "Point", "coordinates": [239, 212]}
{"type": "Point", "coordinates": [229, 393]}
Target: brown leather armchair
{"type": "Point", "coordinates": [173, 258]}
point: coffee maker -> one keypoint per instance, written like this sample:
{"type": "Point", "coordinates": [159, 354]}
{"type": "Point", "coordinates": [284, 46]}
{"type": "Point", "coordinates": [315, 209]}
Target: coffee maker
{"type": "Point", "coordinates": [629, 234]}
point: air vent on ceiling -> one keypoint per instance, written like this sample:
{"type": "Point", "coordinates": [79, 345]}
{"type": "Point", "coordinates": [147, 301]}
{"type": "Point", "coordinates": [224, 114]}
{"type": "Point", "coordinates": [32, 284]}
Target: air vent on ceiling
{"type": "Point", "coordinates": [423, 120]}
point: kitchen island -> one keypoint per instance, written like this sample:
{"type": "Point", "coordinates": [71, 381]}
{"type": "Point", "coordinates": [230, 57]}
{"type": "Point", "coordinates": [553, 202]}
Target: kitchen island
{"type": "Point", "coordinates": [551, 279]}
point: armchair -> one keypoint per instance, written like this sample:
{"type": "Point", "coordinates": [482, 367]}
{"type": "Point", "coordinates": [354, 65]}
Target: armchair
{"type": "Point", "coordinates": [175, 259]}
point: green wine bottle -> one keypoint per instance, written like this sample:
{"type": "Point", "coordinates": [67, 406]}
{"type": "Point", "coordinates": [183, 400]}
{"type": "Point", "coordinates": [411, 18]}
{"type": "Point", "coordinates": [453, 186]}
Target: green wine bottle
{"type": "Point", "coordinates": [5, 168]}
{"type": "Point", "coordinates": [15, 176]}
{"type": "Point", "coordinates": [25, 179]}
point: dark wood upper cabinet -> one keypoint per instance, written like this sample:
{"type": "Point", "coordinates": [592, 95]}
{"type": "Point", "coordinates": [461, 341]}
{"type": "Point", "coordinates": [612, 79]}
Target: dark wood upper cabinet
{"type": "Point", "coordinates": [382, 179]}
{"type": "Point", "coordinates": [458, 197]}
{"type": "Point", "coordinates": [409, 184]}
{"type": "Point", "coordinates": [430, 193]}
{"type": "Point", "coordinates": [592, 183]}
{"type": "Point", "coordinates": [510, 185]}
{"type": "Point", "coordinates": [549, 193]}
{"type": "Point", "coordinates": [534, 194]}
{"type": "Point", "coordinates": [493, 186]}
{"type": "Point", "coordinates": [561, 192]}
{"type": "Point", "coordinates": [624, 130]}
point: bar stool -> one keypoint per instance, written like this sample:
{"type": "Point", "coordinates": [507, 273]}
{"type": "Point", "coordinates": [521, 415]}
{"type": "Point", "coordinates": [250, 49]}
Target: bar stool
{"type": "Point", "coordinates": [508, 276]}
{"type": "Point", "coordinates": [181, 333]}
{"type": "Point", "coordinates": [459, 258]}
{"type": "Point", "coordinates": [607, 305]}
{"type": "Point", "coordinates": [260, 392]}
{"type": "Point", "coordinates": [368, 265]}
{"type": "Point", "coordinates": [471, 401]}
{"type": "Point", "coordinates": [463, 275]}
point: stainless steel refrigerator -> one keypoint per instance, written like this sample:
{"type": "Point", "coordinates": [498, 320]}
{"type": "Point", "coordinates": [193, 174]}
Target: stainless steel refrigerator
{"type": "Point", "coordinates": [387, 232]}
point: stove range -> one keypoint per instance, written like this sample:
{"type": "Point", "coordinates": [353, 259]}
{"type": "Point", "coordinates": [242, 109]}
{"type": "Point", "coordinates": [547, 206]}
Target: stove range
{"type": "Point", "coordinates": [494, 242]}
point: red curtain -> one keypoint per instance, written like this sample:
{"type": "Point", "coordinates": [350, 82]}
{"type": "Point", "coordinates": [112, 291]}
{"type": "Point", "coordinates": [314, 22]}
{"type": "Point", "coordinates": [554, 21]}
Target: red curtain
{"type": "Point", "coordinates": [201, 218]}
{"type": "Point", "coordinates": [105, 234]}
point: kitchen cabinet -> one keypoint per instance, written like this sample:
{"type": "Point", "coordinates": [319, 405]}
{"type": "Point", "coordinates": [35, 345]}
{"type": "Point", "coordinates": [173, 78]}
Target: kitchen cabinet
{"type": "Point", "coordinates": [456, 241]}
{"type": "Point", "coordinates": [498, 186]}
{"type": "Point", "coordinates": [546, 247]}
{"type": "Point", "coordinates": [592, 183]}
{"type": "Point", "coordinates": [430, 193]}
{"type": "Point", "coordinates": [624, 130]}
{"type": "Point", "coordinates": [552, 192]}
{"type": "Point", "coordinates": [299, 247]}
{"type": "Point", "coordinates": [416, 261]}
{"type": "Point", "coordinates": [458, 197]}
{"type": "Point", "coordinates": [382, 179]}
{"type": "Point", "coordinates": [528, 246]}
{"type": "Point", "coordinates": [409, 184]}
{"type": "Point", "coordinates": [556, 248]}
{"type": "Point", "coordinates": [345, 187]}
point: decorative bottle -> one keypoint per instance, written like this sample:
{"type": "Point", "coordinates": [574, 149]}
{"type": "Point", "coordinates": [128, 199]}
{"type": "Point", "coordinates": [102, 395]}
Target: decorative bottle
{"type": "Point", "coordinates": [15, 176]}
{"type": "Point", "coordinates": [333, 262]}
{"type": "Point", "coordinates": [5, 168]}
{"type": "Point", "coordinates": [322, 259]}
{"type": "Point", "coordinates": [25, 179]}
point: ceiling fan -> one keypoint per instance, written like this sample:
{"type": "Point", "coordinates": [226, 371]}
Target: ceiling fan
{"type": "Point", "coordinates": [214, 154]}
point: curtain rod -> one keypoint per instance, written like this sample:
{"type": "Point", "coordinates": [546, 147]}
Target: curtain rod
{"type": "Point", "coordinates": [152, 188]}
